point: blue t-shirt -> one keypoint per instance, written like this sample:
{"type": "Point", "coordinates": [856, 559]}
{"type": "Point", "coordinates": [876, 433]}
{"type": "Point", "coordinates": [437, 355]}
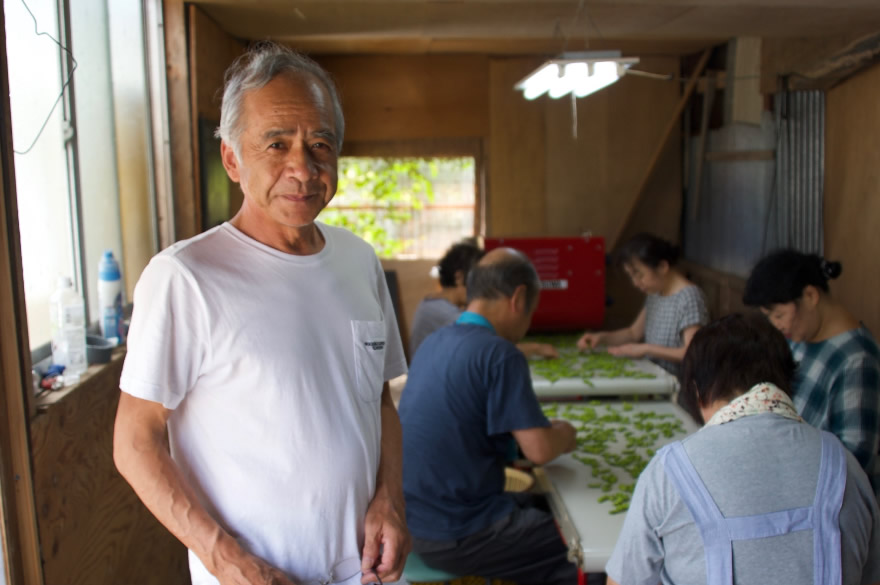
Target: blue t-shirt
{"type": "Point", "coordinates": [467, 389]}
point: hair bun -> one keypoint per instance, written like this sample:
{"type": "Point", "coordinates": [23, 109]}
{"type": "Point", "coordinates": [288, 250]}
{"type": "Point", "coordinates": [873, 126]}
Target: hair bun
{"type": "Point", "coordinates": [831, 269]}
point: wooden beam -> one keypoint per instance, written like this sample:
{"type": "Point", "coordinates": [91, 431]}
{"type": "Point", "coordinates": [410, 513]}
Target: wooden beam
{"type": "Point", "coordinates": [186, 202]}
{"type": "Point", "coordinates": [815, 62]}
{"type": "Point", "coordinates": [843, 64]}
{"type": "Point", "coordinates": [688, 90]}
{"type": "Point", "coordinates": [18, 529]}
{"type": "Point", "coordinates": [193, 14]}
{"type": "Point", "coordinates": [742, 99]}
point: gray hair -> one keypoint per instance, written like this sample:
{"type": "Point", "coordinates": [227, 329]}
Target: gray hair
{"type": "Point", "coordinates": [255, 69]}
{"type": "Point", "coordinates": [493, 280]}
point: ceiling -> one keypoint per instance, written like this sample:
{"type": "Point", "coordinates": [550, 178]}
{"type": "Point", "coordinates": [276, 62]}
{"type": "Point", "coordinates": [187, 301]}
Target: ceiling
{"type": "Point", "coordinates": [534, 26]}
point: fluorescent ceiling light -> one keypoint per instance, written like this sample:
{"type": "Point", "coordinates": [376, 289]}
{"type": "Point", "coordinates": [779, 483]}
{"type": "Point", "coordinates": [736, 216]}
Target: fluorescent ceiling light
{"type": "Point", "coordinates": [578, 73]}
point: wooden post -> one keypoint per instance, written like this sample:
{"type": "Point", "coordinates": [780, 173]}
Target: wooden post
{"type": "Point", "coordinates": [187, 215]}
{"type": "Point", "coordinates": [688, 90]}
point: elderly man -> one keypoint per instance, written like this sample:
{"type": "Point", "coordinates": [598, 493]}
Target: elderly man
{"type": "Point", "coordinates": [263, 346]}
{"type": "Point", "coordinates": [468, 395]}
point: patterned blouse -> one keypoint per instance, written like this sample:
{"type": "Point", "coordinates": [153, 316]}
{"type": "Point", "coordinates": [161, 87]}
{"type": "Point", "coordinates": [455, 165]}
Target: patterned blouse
{"type": "Point", "coordinates": [666, 317]}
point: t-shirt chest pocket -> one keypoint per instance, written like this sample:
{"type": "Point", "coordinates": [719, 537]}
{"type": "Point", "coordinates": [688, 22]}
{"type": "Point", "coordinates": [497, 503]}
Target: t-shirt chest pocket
{"type": "Point", "coordinates": [369, 357]}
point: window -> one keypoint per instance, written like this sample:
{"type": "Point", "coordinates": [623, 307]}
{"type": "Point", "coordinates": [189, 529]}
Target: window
{"type": "Point", "coordinates": [406, 207]}
{"type": "Point", "coordinates": [72, 153]}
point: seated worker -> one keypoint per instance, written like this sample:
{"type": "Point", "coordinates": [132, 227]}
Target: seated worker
{"type": "Point", "coordinates": [443, 307]}
{"type": "Point", "coordinates": [756, 495]}
{"type": "Point", "coordinates": [468, 392]}
{"type": "Point", "coordinates": [837, 386]}
{"type": "Point", "coordinates": [674, 306]}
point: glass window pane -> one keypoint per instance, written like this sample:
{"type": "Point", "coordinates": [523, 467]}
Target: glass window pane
{"type": "Point", "coordinates": [406, 207]}
{"type": "Point", "coordinates": [99, 191]}
{"type": "Point", "coordinates": [40, 174]}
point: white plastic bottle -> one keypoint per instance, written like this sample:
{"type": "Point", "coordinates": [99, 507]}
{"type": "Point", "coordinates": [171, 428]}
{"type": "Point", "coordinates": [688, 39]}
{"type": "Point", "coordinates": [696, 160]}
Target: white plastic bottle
{"type": "Point", "coordinates": [110, 299]}
{"type": "Point", "coordinates": [67, 313]}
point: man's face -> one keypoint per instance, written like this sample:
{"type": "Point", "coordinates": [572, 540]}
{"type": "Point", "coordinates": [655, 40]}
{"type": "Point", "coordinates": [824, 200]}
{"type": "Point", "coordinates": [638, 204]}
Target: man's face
{"type": "Point", "coordinates": [288, 155]}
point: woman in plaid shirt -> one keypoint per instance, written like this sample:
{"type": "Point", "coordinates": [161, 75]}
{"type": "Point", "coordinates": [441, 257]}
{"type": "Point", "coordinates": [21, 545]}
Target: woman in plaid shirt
{"type": "Point", "coordinates": [837, 387]}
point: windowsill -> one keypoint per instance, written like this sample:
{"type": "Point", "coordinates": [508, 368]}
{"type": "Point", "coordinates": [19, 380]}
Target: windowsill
{"type": "Point", "coordinates": [96, 375]}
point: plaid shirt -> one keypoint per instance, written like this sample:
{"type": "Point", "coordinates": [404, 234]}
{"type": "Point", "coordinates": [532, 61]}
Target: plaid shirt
{"type": "Point", "coordinates": [837, 389]}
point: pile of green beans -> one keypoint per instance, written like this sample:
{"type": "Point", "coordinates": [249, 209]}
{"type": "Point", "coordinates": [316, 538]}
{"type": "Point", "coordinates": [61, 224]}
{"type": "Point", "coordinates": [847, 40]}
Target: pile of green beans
{"type": "Point", "coordinates": [571, 363]}
{"type": "Point", "coordinates": [634, 436]}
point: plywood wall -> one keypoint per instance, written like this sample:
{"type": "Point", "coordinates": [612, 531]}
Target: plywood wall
{"type": "Point", "coordinates": [212, 50]}
{"type": "Point", "coordinates": [516, 198]}
{"type": "Point", "coordinates": [852, 192]}
{"type": "Point", "coordinates": [592, 178]}
{"type": "Point", "coordinates": [405, 97]}
{"type": "Point", "coordinates": [93, 529]}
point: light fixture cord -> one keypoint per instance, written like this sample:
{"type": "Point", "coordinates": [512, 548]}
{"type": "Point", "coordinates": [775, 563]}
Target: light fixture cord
{"type": "Point", "coordinates": [574, 116]}
{"type": "Point", "coordinates": [558, 30]}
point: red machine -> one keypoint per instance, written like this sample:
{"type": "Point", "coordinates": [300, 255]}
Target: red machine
{"type": "Point", "coordinates": [572, 273]}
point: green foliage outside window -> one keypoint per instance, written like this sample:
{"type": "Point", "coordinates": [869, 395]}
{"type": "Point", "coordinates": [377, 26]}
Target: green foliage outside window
{"type": "Point", "coordinates": [377, 196]}
{"type": "Point", "coordinates": [373, 191]}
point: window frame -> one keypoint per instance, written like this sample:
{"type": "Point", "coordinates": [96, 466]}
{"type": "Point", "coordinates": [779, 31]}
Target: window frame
{"type": "Point", "coordinates": [113, 179]}
{"type": "Point", "coordinates": [18, 518]}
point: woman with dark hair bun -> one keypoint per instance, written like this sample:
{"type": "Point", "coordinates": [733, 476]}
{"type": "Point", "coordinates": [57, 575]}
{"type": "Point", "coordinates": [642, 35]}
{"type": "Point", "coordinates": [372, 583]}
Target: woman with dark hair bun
{"type": "Point", "coordinates": [674, 306]}
{"type": "Point", "coordinates": [837, 386]}
{"type": "Point", "coordinates": [756, 495]}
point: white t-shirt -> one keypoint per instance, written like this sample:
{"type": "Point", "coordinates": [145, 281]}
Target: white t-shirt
{"type": "Point", "coordinates": [273, 364]}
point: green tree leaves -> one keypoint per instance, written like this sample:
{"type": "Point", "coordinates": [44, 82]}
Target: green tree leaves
{"type": "Point", "coordinates": [378, 195]}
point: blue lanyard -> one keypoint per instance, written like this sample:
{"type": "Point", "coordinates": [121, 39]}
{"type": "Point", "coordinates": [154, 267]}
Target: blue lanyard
{"type": "Point", "coordinates": [469, 318]}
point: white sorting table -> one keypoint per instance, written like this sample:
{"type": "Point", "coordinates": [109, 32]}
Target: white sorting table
{"type": "Point", "coordinates": [662, 383]}
{"type": "Point", "coordinates": [586, 524]}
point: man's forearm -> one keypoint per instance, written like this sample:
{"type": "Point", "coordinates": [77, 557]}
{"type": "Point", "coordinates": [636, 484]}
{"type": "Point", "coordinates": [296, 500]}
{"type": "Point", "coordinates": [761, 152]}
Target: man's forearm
{"type": "Point", "coordinates": [141, 455]}
{"type": "Point", "coordinates": [390, 474]}
{"type": "Point", "coordinates": [386, 540]}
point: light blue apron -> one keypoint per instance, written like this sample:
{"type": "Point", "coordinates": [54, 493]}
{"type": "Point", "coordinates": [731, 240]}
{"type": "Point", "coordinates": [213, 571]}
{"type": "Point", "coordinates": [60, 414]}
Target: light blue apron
{"type": "Point", "coordinates": [718, 532]}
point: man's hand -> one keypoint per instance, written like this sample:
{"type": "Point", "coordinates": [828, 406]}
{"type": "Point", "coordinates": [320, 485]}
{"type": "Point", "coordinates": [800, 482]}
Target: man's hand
{"type": "Point", "coordinates": [385, 534]}
{"type": "Point", "coordinates": [242, 568]}
{"type": "Point", "coordinates": [566, 429]}
{"type": "Point", "coordinates": [386, 539]}
{"type": "Point", "coordinates": [630, 350]}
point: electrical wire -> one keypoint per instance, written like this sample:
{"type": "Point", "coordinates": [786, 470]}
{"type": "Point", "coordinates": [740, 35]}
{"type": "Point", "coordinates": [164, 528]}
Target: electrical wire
{"type": "Point", "coordinates": [671, 77]}
{"type": "Point", "coordinates": [63, 87]}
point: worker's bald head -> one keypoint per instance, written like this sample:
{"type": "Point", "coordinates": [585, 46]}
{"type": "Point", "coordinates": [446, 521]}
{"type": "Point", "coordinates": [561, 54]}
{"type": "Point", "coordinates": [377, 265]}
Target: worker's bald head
{"type": "Point", "coordinates": [499, 273]}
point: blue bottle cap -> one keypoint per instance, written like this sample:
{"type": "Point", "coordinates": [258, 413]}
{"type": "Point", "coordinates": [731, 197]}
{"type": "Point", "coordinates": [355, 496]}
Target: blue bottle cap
{"type": "Point", "coordinates": [108, 268]}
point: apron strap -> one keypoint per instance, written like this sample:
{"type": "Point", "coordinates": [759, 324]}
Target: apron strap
{"type": "Point", "coordinates": [718, 532]}
{"type": "Point", "coordinates": [707, 516]}
{"type": "Point", "coordinates": [829, 499]}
